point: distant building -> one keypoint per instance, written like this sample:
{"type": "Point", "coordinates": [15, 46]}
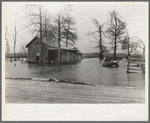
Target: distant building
{"type": "Point", "coordinates": [50, 52]}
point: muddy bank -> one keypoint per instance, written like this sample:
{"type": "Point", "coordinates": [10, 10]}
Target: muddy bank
{"type": "Point", "coordinates": [28, 91]}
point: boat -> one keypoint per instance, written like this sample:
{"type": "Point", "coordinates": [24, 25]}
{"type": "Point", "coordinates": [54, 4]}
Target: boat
{"type": "Point", "coordinates": [110, 63]}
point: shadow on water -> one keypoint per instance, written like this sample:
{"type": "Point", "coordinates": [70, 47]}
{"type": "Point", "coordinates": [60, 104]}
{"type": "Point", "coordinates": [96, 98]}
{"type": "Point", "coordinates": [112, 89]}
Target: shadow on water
{"type": "Point", "coordinates": [87, 70]}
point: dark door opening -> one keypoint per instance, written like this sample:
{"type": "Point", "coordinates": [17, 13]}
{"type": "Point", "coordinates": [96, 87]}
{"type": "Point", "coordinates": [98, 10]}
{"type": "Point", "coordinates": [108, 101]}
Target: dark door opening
{"type": "Point", "coordinates": [51, 56]}
{"type": "Point", "coordinates": [37, 58]}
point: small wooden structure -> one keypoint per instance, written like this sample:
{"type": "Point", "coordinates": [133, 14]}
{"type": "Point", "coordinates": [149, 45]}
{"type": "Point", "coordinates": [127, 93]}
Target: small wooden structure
{"type": "Point", "coordinates": [135, 65]}
{"type": "Point", "coordinates": [50, 52]}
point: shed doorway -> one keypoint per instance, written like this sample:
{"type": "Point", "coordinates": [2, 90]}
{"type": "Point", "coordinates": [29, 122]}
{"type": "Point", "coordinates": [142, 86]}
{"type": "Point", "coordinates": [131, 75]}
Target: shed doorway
{"type": "Point", "coordinates": [52, 56]}
{"type": "Point", "coordinates": [37, 57]}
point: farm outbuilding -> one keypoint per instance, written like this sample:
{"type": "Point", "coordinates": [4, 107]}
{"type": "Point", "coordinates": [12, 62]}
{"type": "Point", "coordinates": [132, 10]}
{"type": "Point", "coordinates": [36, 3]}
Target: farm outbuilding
{"type": "Point", "coordinates": [50, 52]}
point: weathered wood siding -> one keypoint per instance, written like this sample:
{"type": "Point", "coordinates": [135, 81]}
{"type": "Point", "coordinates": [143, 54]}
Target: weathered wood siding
{"type": "Point", "coordinates": [68, 56]}
{"type": "Point", "coordinates": [45, 53]}
{"type": "Point", "coordinates": [64, 56]}
{"type": "Point", "coordinates": [79, 57]}
{"type": "Point", "coordinates": [56, 56]}
{"type": "Point", "coordinates": [71, 56]}
{"type": "Point", "coordinates": [33, 49]}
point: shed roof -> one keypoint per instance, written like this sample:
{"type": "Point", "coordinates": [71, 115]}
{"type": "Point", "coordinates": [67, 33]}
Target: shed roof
{"type": "Point", "coordinates": [52, 44]}
{"type": "Point", "coordinates": [31, 41]}
{"type": "Point", "coordinates": [79, 52]}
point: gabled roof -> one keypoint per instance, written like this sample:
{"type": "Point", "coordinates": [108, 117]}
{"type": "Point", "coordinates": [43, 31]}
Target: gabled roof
{"type": "Point", "coordinates": [31, 41]}
{"type": "Point", "coordinates": [79, 52]}
{"type": "Point", "coordinates": [52, 44]}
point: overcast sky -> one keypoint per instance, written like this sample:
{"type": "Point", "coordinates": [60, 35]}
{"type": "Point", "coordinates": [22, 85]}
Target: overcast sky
{"type": "Point", "coordinates": [135, 14]}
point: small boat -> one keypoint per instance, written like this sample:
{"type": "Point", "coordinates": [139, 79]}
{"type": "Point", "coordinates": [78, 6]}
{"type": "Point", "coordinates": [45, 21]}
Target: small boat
{"type": "Point", "coordinates": [110, 63]}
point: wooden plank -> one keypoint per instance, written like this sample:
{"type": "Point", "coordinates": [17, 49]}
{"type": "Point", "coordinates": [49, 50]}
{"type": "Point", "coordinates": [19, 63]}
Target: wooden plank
{"type": "Point", "coordinates": [136, 58]}
{"type": "Point", "coordinates": [135, 69]}
{"type": "Point", "coordinates": [135, 66]}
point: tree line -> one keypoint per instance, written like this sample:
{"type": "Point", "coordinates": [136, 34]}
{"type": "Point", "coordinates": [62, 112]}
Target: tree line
{"type": "Point", "coordinates": [60, 27]}
{"type": "Point", "coordinates": [115, 31]}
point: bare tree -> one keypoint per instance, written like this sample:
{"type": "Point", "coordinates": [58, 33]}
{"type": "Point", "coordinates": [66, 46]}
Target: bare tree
{"type": "Point", "coordinates": [126, 44]}
{"type": "Point", "coordinates": [23, 50]}
{"type": "Point", "coordinates": [141, 44]}
{"type": "Point", "coordinates": [69, 32]}
{"type": "Point", "coordinates": [48, 27]}
{"type": "Point", "coordinates": [15, 40]}
{"type": "Point", "coordinates": [40, 22]}
{"type": "Point", "coordinates": [58, 31]}
{"type": "Point", "coordinates": [34, 18]}
{"type": "Point", "coordinates": [6, 39]}
{"type": "Point", "coordinates": [52, 27]}
{"type": "Point", "coordinates": [133, 45]}
{"type": "Point", "coordinates": [116, 30]}
{"type": "Point", "coordinates": [97, 35]}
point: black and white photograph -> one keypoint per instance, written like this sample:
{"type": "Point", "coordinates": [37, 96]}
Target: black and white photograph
{"type": "Point", "coordinates": [84, 61]}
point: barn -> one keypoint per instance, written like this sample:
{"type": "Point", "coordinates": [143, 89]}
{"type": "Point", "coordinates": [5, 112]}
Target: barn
{"type": "Point", "coordinates": [50, 52]}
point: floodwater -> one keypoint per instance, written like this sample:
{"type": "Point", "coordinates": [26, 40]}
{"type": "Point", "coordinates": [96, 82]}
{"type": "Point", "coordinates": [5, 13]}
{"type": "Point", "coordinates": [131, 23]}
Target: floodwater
{"type": "Point", "coordinates": [87, 70]}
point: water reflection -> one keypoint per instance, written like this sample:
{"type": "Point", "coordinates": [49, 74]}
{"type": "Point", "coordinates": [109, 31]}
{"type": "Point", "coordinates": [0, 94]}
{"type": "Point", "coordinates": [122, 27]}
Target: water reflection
{"type": "Point", "coordinates": [87, 70]}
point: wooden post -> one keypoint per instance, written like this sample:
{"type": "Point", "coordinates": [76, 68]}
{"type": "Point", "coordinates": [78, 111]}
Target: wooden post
{"type": "Point", "coordinates": [128, 66]}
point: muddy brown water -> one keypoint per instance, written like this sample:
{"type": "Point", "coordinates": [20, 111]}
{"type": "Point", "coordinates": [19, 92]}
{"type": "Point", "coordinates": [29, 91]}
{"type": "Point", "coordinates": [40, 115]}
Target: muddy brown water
{"type": "Point", "coordinates": [87, 70]}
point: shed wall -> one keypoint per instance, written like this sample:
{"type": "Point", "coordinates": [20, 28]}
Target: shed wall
{"type": "Point", "coordinates": [71, 56]}
{"type": "Point", "coordinates": [45, 53]}
{"type": "Point", "coordinates": [79, 57]}
{"type": "Point", "coordinates": [33, 49]}
{"type": "Point", "coordinates": [66, 55]}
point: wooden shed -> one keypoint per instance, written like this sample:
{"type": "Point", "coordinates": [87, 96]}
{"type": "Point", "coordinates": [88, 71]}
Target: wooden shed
{"type": "Point", "coordinates": [50, 52]}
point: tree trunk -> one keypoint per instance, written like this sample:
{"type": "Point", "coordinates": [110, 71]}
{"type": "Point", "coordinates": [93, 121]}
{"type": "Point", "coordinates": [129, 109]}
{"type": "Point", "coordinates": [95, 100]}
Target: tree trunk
{"type": "Point", "coordinates": [14, 53]}
{"type": "Point", "coordinates": [59, 40]}
{"type": "Point", "coordinates": [100, 44]}
{"type": "Point", "coordinates": [41, 51]}
{"type": "Point", "coordinates": [15, 39]}
{"type": "Point", "coordinates": [67, 36]}
{"type": "Point", "coordinates": [115, 47]}
{"type": "Point", "coordinates": [128, 46]}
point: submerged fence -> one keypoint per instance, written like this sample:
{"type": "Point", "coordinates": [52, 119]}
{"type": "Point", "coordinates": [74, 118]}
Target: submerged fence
{"type": "Point", "coordinates": [135, 65]}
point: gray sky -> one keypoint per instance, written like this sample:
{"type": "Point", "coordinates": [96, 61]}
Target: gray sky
{"type": "Point", "coordinates": [135, 14]}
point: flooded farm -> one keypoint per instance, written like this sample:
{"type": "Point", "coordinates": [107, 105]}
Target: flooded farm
{"type": "Point", "coordinates": [88, 70]}
{"type": "Point", "coordinates": [102, 84]}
